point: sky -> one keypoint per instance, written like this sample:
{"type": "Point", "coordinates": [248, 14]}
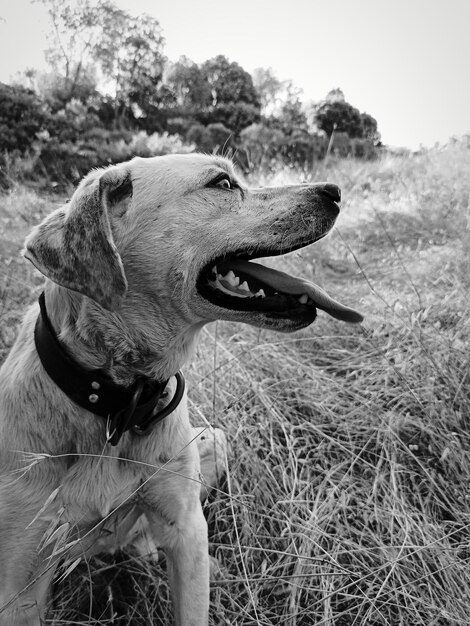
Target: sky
{"type": "Point", "coordinates": [405, 62]}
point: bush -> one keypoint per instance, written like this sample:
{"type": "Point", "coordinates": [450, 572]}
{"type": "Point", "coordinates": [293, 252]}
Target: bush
{"type": "Point", "coordinates": [344, 146]}
{"type": "Point", "coordinates": [260, 144]}
{"type": "Point", "coordinates": [22, 116]}
{"type": "Point", "coordinates": [234, 115]}
{"type": "Point", "coordinates": [62, 146]}
{"type": "Point", "coordinates": [61, 162]}
{"type": "Point", "coordinates": [211, 138]}
{"type": "Point", "coordinates": [264, 145]}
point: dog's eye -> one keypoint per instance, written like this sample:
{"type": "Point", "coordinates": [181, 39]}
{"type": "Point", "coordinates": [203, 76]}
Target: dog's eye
{"type": "Point", "coordinates": [225, 183]}
{"type": "Point", "coordinates": [222, 181]}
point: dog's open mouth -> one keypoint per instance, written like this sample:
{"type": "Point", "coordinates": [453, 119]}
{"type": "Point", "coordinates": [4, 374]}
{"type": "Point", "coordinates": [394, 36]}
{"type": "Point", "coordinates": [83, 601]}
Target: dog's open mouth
{"type": "Point", "coordinates": [237, 283]}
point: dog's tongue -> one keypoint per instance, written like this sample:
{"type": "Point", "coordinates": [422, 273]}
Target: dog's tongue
{"type": "Point", "coordinates": [291, 285]}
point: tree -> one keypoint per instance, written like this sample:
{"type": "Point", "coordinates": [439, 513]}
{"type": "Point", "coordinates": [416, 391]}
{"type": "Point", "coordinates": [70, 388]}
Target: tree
{"type": "Point", "coordinates": [291, 118]}
{"type": "Point", "coordinates": [55, 91]}
{"type": "Point", "coordinates": [229, 82]}
{"type": "Point", "coordinates": [130, 54]}
{"type": "Point", "coordinates": [188, 83]}
{"type": "Point", "coordinates": [335, 95]}
{"type": "Point", "coordinates": [76, 31]}
{"type": "Point", "coordinates": [369, 128]}
{"type": "Point", "coordinates": [268, 87]}
{"type": "Point", "coordinates": [340, 116]}
{"type": "Point", "coordinates": [234, 115]}
{"type": "Point", "coordinates": [234, 101]}
{"type": "Point", "coordinates": [127, 51]}
{"type": "Point", "coordinates": [336, 114]}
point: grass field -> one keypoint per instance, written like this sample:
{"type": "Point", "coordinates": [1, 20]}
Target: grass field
{"type": "Point", "coordinates": [347, 500]}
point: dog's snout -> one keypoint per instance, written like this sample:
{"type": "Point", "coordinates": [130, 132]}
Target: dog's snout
{"type": "Point", "coordinates": [330, 191]}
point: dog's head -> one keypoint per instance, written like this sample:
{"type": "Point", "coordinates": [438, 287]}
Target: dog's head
{"type": "Point", "coordinates": [178, 234]}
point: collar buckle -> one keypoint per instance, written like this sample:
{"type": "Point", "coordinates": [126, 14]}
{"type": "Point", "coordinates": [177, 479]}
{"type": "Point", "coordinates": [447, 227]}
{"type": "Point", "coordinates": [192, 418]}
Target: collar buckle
{"type": "Point", "coordinates": [120, 421]}
{"type": "Point", "coordinates": [140, 418]}
{"type": "Point", "coordinates": [157, 416]}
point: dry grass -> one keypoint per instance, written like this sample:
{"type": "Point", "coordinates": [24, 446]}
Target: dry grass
{"type": "Point", "coordinates": [348, 496]}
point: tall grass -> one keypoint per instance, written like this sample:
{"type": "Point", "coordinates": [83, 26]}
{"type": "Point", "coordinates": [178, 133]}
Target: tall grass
{"type": "Point", "coordinates": [347, 500]}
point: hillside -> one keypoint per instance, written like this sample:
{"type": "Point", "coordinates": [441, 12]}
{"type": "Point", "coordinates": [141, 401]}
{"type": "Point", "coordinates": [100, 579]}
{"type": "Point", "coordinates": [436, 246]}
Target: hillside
{"type": "Point", "coordinates": [348, 494]}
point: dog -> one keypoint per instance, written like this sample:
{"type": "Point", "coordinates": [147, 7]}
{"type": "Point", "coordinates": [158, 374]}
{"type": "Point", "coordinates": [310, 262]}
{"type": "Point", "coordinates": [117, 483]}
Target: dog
{"type": "Point", "coordinates": [96, 447]}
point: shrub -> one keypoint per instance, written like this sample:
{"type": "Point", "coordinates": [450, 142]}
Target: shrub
{"type": "Point", "coordinates": [200, 136]}
{"type": "Point", "coordinates": [159, 144]}
{"type": "Point", "coordinates": [22, 116]}
{"type": "Point", "coordinates": [264, 145]}
{"type": "Point", "coordinates": [344, 146]}
{"type": "Point", "coordinates": [260, 143]}
{"type": "Point", "coordinates": [65, 161]}
{"type": "Point", "coordinates": [211, 138]}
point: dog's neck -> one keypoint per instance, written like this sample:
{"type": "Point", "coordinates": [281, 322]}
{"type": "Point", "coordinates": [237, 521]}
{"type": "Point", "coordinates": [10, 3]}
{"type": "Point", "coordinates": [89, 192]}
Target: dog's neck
{"type": "Point", "coordinates": [120, 346]}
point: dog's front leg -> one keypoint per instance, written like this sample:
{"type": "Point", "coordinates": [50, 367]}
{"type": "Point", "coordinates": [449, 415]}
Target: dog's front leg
{"type": "Point", "coordinates": [186, 547]}
{"type": "Point", "coordinates": [24, 584]}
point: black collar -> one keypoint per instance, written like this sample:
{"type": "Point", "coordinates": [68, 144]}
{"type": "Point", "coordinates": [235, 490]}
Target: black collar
{"type": "Point", "coordinates": [124, 408]}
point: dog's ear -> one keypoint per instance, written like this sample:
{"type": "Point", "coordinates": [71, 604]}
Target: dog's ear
{"type": "Point", "coordinates": [74, 246]}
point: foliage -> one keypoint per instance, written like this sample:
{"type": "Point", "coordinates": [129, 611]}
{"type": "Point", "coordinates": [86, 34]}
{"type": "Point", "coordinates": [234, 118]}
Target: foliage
{"type": "Point", "coordinates": [127, 50]}
{"type": "Point", "coordinates": [235, 102]}
{"type": "Point", "coordinates": [187, 82]}
{"type": "Point", "coordinates": [268, 87]}
{"type": "Point", "coordinates": [76, 31]}
{"type": "Point", "coordinates": [54, 89]}
{"type": "Point", "coordinates": [131, 57]}
{"type": "Point", "coordinates": [22, 115]}
{"type": "Point", "coordinates": [369, 128]}
{"type": "Point", "coordinates": [291, 118]}
{"type": "Point", "coordinates": [233, 115]}
{"type": "Point", "coordinates": [261, 144]}
{"type": "Point", "coordinates": [211, 138]}
{"type": "Point", "coordinates": [336, 114]}
{"type": "Point", "coordinates": [229, 82]}
{"type": "Point", "coordinates": [156, 144]}
{"type": "Point", "coordinates": [340, 116]}
{"type": "Point", "coordinates": [108, 74]}
{"type": "Point", "coordinates": [56, 164]}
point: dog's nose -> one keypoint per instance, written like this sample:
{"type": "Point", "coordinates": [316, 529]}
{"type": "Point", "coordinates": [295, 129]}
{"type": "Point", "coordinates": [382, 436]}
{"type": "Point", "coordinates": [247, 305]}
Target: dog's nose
{"type": "Point", "coordinates": [330, 191]}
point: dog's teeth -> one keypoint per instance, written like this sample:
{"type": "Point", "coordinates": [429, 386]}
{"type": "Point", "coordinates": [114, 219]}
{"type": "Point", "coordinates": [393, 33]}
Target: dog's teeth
{"type": "Point", "coordinates": [303, 299]}
{"type": "Point", "coordinates": [217, 285]}
{"type": "Point", "coordinates": [232, 279]}
{"type": "Point", "coordinates": [261, 294]}
{"type": "Point", "coordinates": [244, 286]}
